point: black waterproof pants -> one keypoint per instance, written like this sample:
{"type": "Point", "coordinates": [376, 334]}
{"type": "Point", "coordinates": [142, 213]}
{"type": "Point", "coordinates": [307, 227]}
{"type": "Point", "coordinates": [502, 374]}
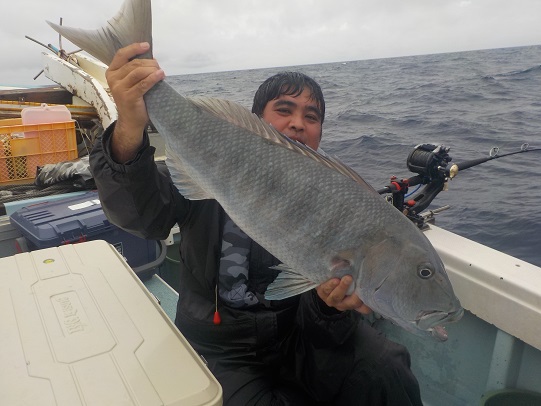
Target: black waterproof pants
{"type": "Point", "coordinates": [366, 370]}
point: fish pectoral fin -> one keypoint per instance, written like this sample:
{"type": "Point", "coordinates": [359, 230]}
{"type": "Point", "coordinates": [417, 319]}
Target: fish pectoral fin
{"type": "Point", "coordinates": [343, 264]}
{"type": "Point", "coordinates": [288, 283]}
{"type": "Point", "coordinates": [182, 180]}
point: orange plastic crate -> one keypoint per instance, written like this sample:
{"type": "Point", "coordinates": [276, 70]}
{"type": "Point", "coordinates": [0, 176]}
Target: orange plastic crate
{"type": "Point", "coordinates": [25, 147]}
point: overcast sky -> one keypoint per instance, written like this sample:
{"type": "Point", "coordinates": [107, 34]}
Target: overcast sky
{"type": "Point", "coordinates": [192, 36]}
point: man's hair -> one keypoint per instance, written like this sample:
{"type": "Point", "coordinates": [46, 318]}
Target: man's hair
{"type": "Point", "coordinates": [289, 84]}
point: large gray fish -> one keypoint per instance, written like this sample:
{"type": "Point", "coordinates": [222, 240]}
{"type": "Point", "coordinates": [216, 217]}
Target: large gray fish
{"type": "Point", "coordinates": [312, 212]}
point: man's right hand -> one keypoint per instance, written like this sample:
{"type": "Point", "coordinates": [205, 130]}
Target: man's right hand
{"type": "Point", "coordinates": [129, 79]}
{"type": "Point", "coordinates": [333, 293]}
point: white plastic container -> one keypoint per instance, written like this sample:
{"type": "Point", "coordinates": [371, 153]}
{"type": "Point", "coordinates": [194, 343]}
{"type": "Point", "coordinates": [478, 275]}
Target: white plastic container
{"type": "Point", "coordinates": [44, 114]}
{"type": "Point", "coordinates": [79, 328]}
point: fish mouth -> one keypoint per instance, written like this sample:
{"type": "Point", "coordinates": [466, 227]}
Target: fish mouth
{"type": "Point", "coordinates": [439, 333]}
{"type": "Point", "coordinates": [433, 322]}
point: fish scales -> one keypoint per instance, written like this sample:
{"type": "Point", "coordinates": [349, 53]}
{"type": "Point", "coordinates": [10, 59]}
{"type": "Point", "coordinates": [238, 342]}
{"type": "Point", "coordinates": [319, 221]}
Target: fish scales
{"type": "Point", "coordinates": [289, 203]}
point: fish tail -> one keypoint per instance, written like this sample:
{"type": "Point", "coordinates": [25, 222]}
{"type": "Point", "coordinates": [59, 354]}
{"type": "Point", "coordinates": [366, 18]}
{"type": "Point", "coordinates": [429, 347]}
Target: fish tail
{"type": "Point", "coordinates": [133, 23]}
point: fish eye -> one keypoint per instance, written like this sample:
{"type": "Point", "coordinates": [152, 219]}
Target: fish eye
{"type": "Point", "coordinates": [425, 272]}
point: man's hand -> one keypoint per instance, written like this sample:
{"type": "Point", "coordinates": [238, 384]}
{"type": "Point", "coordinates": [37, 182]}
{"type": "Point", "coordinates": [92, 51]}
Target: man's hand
{"type": "Point", "coordinates": [129, 79]}
{"type": "Point", "coordinates": [333, 293]}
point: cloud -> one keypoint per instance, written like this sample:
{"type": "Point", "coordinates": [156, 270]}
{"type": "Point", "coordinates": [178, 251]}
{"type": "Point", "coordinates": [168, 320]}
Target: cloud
{"type": "Point", "coordinates": [209, 35]}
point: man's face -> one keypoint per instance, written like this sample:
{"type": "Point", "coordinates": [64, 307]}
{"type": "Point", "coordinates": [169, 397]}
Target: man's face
{"type": "Point", "coordinates": [297, 117]}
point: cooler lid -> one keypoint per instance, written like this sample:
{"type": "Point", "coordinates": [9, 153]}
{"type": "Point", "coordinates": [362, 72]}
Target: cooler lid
{"type": "Point", "coordinates": [79, 328]}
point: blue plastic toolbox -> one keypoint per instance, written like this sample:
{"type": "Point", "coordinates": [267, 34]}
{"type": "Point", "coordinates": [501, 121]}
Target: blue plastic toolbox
{"type": "Point", "coordinates": [81, 218]}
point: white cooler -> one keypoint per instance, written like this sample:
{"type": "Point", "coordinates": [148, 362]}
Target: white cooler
{"type": "Point", "coordinates": [77, 327]}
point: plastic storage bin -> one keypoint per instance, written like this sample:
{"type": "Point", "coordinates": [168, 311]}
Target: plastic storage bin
{"type": "Point", "coordinates": [78, 219]}
{"type": "Point", "coordinates": [45, 114]}
{"type": "Point", "coordinates": [25, 147]}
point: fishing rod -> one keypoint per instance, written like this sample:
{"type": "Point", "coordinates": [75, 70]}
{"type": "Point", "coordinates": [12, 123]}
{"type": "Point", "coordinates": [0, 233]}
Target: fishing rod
{"type": "Point", "coordinates": [67, 56]}
{"type": "Point", "coordinates": [434, 168]}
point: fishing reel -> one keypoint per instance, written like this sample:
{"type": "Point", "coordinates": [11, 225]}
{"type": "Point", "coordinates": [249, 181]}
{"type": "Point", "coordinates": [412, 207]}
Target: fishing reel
{"type": "Point", "coordinates": [432, 164]}
{"type": "Point", "coordinates": [434, 168]}
{"type": "Point", "coordinates": [429, 161]}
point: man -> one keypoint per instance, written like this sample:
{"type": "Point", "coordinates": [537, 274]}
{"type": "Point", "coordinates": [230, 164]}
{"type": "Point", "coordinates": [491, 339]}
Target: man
{"type": "Point", "coordinates": [305, 350]}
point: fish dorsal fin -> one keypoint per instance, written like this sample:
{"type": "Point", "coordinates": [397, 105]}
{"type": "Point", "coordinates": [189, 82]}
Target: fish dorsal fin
{"type": "Point", "coordinates": [133, 23]}
{"type": "Point", "coordinates": [288, 283]}
{"type": "Point", "coordinates": [240, 116]}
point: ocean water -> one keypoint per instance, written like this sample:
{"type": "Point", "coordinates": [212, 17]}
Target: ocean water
{"type": "Point", "coordinates": [379, 110]}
